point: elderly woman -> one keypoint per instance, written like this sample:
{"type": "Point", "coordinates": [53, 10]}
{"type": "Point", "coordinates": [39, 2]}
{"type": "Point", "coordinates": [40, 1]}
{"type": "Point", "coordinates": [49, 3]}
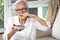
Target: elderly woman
{"type": "Point", "coordinates": [24, 25]}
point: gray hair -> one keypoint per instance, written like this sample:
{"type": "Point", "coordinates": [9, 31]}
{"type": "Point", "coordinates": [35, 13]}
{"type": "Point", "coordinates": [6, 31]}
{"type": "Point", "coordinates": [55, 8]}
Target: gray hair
{"type": "Point", "coordinates": [18, 1]}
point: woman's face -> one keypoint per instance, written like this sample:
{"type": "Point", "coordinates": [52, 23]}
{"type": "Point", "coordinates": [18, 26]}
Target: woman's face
{"type": "Point", "coordinates": [21, 9]}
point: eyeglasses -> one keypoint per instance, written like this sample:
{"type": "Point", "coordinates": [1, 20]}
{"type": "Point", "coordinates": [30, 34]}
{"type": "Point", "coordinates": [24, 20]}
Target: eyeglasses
{"type": "Point", "coordinates": [23, 9]}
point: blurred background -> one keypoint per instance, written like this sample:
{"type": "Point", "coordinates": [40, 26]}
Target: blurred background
{"type": "Point", "coordinates": [41, 8]}
{"type": "Point", "coordinates": [1, 13]}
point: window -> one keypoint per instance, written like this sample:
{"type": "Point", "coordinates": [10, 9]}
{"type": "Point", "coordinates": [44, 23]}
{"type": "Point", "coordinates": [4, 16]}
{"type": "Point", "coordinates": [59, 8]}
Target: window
{"type": "Point", "coordinates": [1, 14]}
{"type": "Point", "coordinates": [33, 11]}
{"type": "Point", "coordinates": [44, 11]}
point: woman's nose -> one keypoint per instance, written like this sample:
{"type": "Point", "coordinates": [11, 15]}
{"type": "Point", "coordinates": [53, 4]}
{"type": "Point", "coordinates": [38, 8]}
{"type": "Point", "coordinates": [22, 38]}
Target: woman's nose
{"type": "Point", "coordinates": [21, 12]}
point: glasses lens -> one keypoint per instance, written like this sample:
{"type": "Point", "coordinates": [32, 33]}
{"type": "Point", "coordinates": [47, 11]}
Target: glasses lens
{"type": "Point", "coordinates": [21, 9]}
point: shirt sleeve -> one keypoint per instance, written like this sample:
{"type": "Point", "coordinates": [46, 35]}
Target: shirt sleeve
{"type": "Point", "coordinates": [41, 27]}
{"type": "Point", "coordinates": [7, 29]}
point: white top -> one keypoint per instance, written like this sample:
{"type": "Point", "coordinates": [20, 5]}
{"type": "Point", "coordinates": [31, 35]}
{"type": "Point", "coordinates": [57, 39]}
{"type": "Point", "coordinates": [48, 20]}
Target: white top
{"type": "Point", "coordinates": [28, 33]}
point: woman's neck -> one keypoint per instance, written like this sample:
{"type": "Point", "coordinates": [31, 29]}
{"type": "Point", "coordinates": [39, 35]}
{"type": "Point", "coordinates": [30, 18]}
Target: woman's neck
{"type": "Point", "coordinates": [22, 21]}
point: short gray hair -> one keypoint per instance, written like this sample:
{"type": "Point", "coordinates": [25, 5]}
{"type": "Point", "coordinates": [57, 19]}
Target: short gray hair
{"type": "Point", "coordinates": [18, 1]}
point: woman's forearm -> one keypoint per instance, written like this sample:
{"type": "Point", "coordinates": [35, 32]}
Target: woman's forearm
{"type": "Point", "coordinates": [11, 33]}
{"type": "Point", "coordinates": [41, 21]}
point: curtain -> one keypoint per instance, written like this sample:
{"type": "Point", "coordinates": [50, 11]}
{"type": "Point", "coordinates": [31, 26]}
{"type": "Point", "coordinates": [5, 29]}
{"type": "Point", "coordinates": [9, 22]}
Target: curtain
{"type": "Point", "coordinates": [52, 11]}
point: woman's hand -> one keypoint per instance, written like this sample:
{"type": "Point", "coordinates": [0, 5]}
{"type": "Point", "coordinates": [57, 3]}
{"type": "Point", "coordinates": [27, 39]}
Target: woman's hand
{"type": "Point", "coordinates": [28, 15]}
